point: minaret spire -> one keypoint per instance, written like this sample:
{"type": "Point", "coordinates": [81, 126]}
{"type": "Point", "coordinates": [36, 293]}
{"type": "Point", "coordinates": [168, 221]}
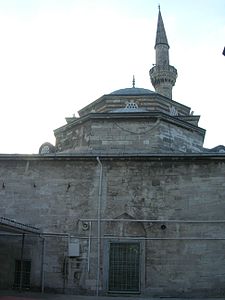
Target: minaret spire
{"type": "Point", "coordinates": [161, 32]}
{"type": "Point", "coordinates": [162, 75]}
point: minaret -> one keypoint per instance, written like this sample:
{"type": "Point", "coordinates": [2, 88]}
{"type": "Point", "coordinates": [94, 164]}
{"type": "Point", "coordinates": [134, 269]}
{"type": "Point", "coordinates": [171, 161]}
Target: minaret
{"type": "Point", "coordinates": [162, 75]}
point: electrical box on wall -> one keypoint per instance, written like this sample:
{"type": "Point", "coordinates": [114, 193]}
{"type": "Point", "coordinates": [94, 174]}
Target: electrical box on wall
{"type": "Point", "coordinates": [74, 248]}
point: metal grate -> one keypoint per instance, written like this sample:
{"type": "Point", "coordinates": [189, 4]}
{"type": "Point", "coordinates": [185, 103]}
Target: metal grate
{"type": "Point", "coordinates": [25, 274]}
{"type": "Point", "coordinates": [124, 267]}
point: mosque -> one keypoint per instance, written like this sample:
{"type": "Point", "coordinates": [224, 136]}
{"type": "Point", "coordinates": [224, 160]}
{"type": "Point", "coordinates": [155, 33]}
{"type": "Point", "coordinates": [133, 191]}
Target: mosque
{"type": "Point", "coordinates": [128, 201]}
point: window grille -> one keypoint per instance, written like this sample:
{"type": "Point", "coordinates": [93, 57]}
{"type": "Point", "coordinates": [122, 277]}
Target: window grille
{"type": "Point", "coordinates": [132, 105]}
{"type": "Point", "coordinates": [124, 267]}
{"type": "Point", "coordinates": [25, 274]}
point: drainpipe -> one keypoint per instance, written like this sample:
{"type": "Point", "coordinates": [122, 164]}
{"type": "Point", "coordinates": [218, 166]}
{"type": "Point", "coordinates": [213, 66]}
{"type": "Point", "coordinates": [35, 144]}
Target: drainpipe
{"type": "Point", "coordinates": [89, 246]}
{"type": "Point", "coordinates": [99, 227]}
{"type": "Point", "coordinates": [21, 263]}
{"type": "Point", "coordinates": [43, 266]}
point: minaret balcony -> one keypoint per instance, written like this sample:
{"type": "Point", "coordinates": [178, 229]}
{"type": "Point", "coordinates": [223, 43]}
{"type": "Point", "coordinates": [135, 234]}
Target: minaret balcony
{"type": "Point", "coordinates": [160, 74]}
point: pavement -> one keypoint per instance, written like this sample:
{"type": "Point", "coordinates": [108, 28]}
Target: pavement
{"type": "Point", "coordinates": [15, 295]}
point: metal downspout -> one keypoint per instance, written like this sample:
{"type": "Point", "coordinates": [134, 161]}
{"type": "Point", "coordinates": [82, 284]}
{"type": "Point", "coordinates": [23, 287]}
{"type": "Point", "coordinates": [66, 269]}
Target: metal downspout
{"type": "Point", "coordinates": [89, 246]}
{"type": "Point", "coordinates": [43, 266]}
{"type": "Point", "coordinates": [99, 227]}
{"type": "Point", "coordinates": [21, 263]}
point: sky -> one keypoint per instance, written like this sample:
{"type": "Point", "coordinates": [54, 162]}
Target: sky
{"type": "Point", "coordinates": [57, 56]}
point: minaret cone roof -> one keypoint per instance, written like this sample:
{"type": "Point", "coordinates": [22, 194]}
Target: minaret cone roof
{"type": "Point", "coordinates": [161, 33]}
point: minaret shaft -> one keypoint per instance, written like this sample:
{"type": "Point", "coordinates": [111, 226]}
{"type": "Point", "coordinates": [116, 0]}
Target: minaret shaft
{"type": "Point", "coordinates": [162, 55]}
{"type": "Point", "coordinates": [163, 75]}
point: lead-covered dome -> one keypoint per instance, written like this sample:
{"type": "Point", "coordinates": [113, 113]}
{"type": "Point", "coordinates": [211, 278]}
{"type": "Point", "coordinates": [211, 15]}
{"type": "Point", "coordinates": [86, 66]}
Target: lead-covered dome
{"type": "Point", "coordinates": [132, 91]}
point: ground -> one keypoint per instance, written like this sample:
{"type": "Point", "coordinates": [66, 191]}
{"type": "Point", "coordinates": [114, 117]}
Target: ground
{"type": "Point", "coordinates": [12, 295]}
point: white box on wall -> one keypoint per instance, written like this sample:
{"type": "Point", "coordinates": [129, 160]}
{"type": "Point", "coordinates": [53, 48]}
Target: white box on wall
{"type": "Point", "coordinates": [74, 247]}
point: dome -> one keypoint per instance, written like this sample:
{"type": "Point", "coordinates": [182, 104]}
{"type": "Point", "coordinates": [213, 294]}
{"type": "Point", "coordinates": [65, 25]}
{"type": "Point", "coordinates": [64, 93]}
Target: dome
{"type": "Point", "coordinates": [132, 91]}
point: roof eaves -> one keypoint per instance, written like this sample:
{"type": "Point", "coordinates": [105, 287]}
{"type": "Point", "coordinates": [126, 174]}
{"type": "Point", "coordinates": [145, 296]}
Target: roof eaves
{"type": "Point", "coordinates": [10, 225]}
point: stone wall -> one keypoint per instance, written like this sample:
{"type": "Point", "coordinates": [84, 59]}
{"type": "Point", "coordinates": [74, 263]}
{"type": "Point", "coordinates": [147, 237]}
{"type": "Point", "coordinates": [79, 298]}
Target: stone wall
{"type": "Point", "coordinates": [152, 102]}
{"type": "Point", "coordinates": [149, 134]}
{"type": "Point", "coordinates": [54, 194]}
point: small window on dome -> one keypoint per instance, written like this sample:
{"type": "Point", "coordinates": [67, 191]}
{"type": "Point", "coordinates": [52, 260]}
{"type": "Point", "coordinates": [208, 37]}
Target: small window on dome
{"type": "Point", "coordinates": [132, 105]}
